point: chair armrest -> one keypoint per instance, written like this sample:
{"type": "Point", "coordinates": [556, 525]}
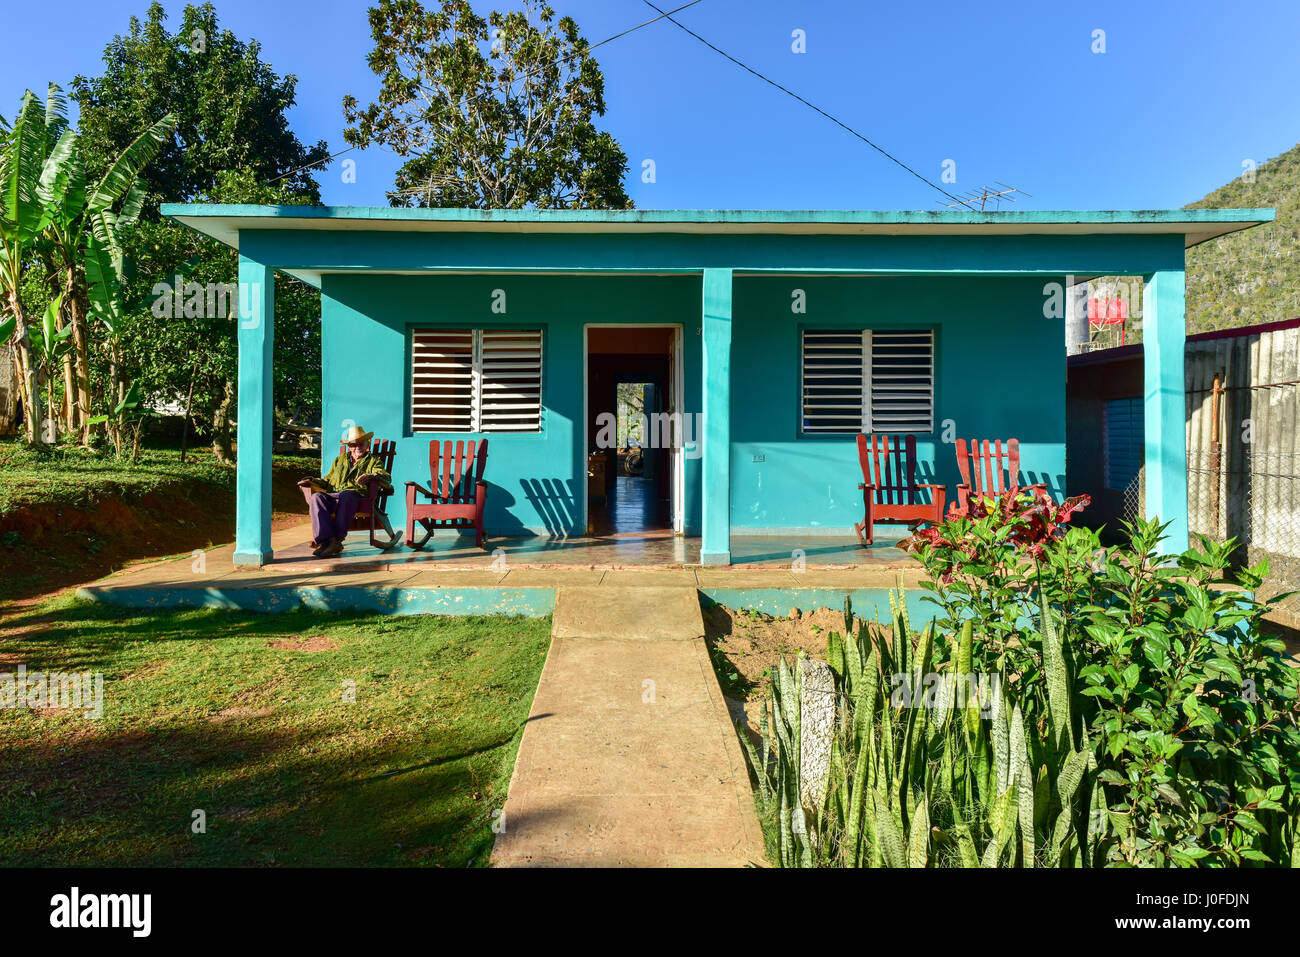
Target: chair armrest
{"type": "Point", "coordinates": [863, 486]}
{"type": "Point", "coordinates": [927, 485]}
{"type": "Point", "coordinates": [416, 486]}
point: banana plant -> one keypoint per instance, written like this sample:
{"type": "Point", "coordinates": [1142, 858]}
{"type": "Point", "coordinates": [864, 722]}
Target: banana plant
{"type": "Point", "coordinates": [49, 345]}
{"type": "Point", "coordinates": [24, 148]}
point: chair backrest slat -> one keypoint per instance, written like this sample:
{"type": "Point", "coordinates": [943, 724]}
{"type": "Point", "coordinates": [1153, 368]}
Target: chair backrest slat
{"type": "Point", "coordinates": [457, 468]}
{"type": "Point", "coordinates": [989, 468]}
{"type": "Point", "coordinates": [454, 472]}
{"type": "Point", "coordinates": [481, 463]}
{"type": "Point", "coordinates": [1013, 460]}
{"type": "Point", "coordinates": [444, 492]}
{"type": "Point", "coordinates": [889, 465]}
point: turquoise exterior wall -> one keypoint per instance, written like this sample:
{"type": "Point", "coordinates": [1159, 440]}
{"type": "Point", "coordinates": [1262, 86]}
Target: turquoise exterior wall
{"type": "Point", "coordinates": [535, 480]}
{"type": "Point", "coordinates": [999, 367]}
{"type": "Point", "coordinates": [999, 373]}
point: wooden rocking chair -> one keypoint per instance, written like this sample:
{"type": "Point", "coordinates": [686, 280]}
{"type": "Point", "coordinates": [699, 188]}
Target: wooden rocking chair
{"type": "Point", "coordinates": [372, 511]}
{"type": "Point", "coordinates": [457, 497]}
{"type": "Point", "coordinates": [985, 471]}
{"type": "Point", "coordinates": [890, 492]}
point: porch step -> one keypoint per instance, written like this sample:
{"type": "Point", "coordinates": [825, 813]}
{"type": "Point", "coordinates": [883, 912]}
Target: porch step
{"type": "Point", "coordinates": [629, 756]}
{"type": "Point", "coordinates": [649, 613]}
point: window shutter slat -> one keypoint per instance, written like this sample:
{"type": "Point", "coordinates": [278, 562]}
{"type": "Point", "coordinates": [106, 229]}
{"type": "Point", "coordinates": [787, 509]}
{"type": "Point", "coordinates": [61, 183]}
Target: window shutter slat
{"type": "Point", "coordinates": [476, 380]}
{"type": "Point", "coordinates": [511, 389]}
{"type": "Point", "coordinates": [902, 380]}
{"type": "Point", "coordinates": [831, 388]}
{"type": "Point", "coordinates": [442, 369]}
{"type": "Point", "coordinates": [867, 380]}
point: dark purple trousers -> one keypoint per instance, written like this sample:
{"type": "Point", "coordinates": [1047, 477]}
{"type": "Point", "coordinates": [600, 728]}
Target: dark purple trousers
{"type": "Point", "coordinates": [331, 515]}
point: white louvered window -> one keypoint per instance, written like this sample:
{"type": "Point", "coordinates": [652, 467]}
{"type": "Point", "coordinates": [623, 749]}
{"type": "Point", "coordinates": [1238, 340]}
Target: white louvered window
{"type": "Point", "coordinates": [476, 380]}
{"type": "Point", "coordinates": [868, 380]}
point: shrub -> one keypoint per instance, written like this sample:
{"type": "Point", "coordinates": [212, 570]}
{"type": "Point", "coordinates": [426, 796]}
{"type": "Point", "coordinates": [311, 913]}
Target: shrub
{"type": "Point", "coordinates": [1133, 714]}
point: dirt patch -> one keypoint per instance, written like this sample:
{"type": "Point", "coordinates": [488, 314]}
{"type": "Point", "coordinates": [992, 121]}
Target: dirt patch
{"type": "Point", "coordinates": [238, 712]}
{"type": "Point", "coordinates": [746, 645]}
{"type": "Point", "coordinates": [48, 548]}
{"type": "Point", "coordinates": [147, 671]}
{"type": "Point", "coordinates": [301, 643]}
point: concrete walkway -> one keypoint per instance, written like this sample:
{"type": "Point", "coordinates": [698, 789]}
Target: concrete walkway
{"type": "Point", "coordinates": [629, 757]}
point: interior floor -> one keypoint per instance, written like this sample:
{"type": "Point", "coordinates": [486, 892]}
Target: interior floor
{"type": "Point", "coordinates": [633, 505]}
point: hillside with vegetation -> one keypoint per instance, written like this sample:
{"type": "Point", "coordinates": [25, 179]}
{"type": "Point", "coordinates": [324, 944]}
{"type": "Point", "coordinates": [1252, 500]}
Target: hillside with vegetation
{"type": "Point", "coordinates": [1251, 276]}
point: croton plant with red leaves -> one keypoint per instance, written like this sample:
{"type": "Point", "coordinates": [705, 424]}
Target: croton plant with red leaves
{"type": "Point", "coordinates": [1027, 518]}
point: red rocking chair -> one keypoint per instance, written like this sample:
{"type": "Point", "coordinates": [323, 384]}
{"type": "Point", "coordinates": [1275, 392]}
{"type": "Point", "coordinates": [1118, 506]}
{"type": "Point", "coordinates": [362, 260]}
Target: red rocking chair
{"type": "Point", "coordinates": [456, 498]}
{"type": "Point", "coordinates": [890, 492]}
{"type": "Point", "coordinates": [372, 510]}
{"type": "Point", "coordinates": [986, 471]}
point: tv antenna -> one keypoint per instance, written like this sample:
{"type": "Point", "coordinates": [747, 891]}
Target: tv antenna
{"type": "Point", "coordinates": [987, 194]}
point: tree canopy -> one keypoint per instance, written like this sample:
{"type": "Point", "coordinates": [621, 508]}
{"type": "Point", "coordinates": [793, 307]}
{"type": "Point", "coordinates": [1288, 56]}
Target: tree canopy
{"type": "Point", "coordinates": [232, 108]}
{"type": "Point", "coordinates": [233, 144]}
{"type": "Point", "coordinates": [496, 112]}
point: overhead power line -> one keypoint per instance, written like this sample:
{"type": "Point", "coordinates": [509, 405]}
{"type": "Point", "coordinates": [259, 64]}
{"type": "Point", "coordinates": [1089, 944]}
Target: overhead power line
{"type": "Point", "coordinates": [812, 106]}
{"type": "Point", "coordinates": [586, 50]}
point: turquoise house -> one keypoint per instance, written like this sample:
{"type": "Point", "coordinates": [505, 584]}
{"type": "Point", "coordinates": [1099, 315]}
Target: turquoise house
{"type": "Point", "coordinates": [770, 339]}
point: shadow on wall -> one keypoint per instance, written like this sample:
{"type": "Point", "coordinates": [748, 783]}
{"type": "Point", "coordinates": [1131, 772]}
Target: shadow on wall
{"type": "Point", "coordinates": [555, 501]}
{"type": "Point", "coordinates": [1055, 486]}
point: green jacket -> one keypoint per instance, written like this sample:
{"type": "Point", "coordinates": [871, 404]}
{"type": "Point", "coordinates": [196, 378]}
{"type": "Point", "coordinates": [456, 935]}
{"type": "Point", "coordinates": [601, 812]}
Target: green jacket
{"type": "Point", "coordinates": [344, 474]}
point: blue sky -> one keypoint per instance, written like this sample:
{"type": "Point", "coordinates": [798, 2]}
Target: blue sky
{"type": "Point", "coordinates": [1183, 94]}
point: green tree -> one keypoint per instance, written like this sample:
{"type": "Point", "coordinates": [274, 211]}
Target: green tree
{"type": "Point", "coordinates": [187, 352]}
{"type": "Point", "coordinates": [488, 113]}
{"type": "Point", "coordinates": [234, 145]}
{"type": "Point", "coordinates": [231, 108]}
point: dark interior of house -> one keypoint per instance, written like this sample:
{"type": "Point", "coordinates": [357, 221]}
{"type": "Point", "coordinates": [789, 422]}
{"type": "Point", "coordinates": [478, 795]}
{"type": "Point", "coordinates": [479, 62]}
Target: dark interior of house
{"type": "Point", "coordinates": [627, 492]}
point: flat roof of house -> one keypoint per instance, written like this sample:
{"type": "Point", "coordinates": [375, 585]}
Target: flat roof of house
{"type": "Point", "coordinates": [1134, 350]}
{"type": "Point", "coordinates": [223, 222]}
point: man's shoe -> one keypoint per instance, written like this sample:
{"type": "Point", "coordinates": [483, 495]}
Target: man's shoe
{"type": "Point", "coordinates": [320, 550]}
{"type": "Point", "coordinates": [333, 550]}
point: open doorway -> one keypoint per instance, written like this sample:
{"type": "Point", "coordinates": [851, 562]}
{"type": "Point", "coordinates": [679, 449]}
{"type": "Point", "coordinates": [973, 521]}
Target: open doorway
{"type": "Point", "coordinates": [633, 468]}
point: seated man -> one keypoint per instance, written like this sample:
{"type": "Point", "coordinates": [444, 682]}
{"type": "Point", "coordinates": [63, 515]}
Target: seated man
{"type": "Point", "coordinates": [337, 495]}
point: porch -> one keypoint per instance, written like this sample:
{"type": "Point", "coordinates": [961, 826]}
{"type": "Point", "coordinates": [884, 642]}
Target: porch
{"type": "Point", "coordinates": [980, 295]}
{"type": "Point", "coordinates": [515, 576]}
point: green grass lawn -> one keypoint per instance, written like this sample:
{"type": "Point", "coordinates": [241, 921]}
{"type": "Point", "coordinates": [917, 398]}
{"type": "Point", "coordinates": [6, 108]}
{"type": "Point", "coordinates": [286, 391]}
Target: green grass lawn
{"type": "Point", "coordinates": [202, 712]}
{"type": "Point", "coordinates": [77, 477]}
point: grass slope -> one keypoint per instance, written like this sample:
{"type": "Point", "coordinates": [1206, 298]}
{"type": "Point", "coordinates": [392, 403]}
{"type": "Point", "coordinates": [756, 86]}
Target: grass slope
{"type": "Point", "coordinates": [1252, 276]}
{"type": "Point", "coordinates": [202, 711]}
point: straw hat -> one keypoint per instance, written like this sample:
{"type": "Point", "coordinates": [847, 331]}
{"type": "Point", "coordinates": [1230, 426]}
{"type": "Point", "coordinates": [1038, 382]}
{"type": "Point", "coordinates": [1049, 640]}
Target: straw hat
{"type": "Point", "coordinates": [356, 435]}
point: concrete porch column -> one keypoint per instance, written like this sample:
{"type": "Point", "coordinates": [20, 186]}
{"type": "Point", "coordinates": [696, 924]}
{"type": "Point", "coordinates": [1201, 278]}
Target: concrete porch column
{"type": "Point", "coordinates": [715, 541]}
{"type": "Point", "coordinates": [253, 451]}
{"type": "Point", "coordinates": [1164, 330]}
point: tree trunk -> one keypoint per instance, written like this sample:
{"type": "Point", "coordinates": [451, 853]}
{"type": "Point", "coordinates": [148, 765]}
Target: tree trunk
{"type": "Point", "coordinates": [77, 304]}
{"type": "Point", "coordinates": [189, 405]}
{"type": "Point", "coordinates": [69, 396]}
{"type": "Point", "coordinates": [116, 393]}
{"type": "Point", "coordinates": [26, 371]}
{"type": "Point", "coordinates": [221, 444]}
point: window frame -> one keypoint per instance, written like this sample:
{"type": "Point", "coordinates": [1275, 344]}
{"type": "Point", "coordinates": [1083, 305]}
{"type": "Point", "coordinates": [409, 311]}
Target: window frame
{"type": "Point", "coordinates": [476, 390]}
{"type": "Point", "coordinates": [866, 421]}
